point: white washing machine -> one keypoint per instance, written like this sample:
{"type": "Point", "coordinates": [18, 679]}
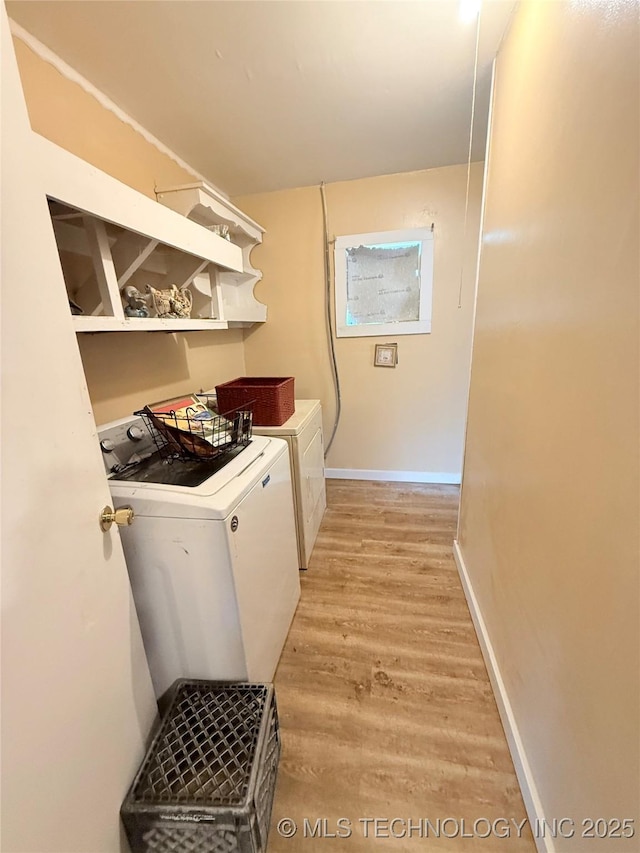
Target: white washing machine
{"type": "Point", "coordinates": [211, 554]}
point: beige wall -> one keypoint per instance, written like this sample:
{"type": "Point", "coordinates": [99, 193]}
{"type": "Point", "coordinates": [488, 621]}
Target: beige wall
{"type": "Point", "coordinates": [549, 518]}
{"type": "Point", "coordinates": [124, 370]}
{"type": "Point", "coordinates": [143, 367]}
{"type": "Point", "coordinates": [72, 118]}
{"type": "Point", "coordinates": [407, 419]}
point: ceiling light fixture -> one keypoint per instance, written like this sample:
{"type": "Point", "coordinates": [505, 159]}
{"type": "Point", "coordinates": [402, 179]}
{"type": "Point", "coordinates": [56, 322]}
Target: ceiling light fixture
{"type": "Point", "coordinates": [468, 10]}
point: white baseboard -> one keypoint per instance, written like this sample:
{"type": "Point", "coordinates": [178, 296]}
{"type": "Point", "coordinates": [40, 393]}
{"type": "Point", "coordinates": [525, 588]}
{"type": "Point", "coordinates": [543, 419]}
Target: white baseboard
{"type": "Point", "coordinates": [442, 477]}
{"type": "Point", "coordinates": [523, 770]}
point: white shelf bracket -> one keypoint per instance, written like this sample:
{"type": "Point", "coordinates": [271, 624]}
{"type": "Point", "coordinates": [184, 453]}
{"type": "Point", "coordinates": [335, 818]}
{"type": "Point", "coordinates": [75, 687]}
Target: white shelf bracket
{"type": "Point", "coordinates": [183, 269]}
{"type": "Point", "coordinates": [103, 266]}
{"type": "Point", "coordinates": [129, 253]}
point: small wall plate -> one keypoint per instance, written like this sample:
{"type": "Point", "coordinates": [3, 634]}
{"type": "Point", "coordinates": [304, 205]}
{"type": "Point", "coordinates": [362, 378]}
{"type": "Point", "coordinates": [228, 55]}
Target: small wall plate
{"type": "Point", "coordinates": [386, 355]}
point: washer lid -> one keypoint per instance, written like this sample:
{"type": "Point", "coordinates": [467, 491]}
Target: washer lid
{"type": "Point", "coordinates": [215, 497]}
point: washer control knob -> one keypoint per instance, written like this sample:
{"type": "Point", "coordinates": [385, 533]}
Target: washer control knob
{"type": "Point", "coordinates": [135, 433]}
{"type": "Point", "coordinates": [107, 446]}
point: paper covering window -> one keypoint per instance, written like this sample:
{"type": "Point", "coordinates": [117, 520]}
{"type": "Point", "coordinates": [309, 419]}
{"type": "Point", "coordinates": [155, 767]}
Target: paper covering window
{"type": "Point", "coordinates": [384, 283]}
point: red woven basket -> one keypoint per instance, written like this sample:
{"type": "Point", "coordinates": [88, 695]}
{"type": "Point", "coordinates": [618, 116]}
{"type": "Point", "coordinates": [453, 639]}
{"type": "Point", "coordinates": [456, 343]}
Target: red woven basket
{"type": "Point", "coordinates": [270, 398]}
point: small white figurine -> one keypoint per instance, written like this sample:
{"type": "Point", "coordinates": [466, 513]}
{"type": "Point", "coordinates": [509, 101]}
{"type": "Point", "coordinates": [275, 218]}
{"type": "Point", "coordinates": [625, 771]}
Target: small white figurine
{"type": "Point", "coordinates": [136, 302]}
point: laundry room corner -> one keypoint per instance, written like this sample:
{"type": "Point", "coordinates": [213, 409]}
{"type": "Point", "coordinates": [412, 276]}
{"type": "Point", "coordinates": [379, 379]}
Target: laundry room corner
{"type": "Point", "coordinates": [320, 471]}
{"type": "Point", "coordinates": [406, 423]}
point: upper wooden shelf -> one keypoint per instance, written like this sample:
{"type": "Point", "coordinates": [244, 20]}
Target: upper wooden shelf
{"type": "Point", "coordinates": [116, 244]}
{"type": "Point", "coordinates": [76, 183]}
{"type": "Point", "coordinates": [206, 206]}
{"type": "Point", "coordinates": [145, 324]}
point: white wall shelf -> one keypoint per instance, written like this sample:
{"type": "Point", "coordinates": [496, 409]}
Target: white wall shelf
{"type": "Point", "coordinates": [110, 236]}
{"type": "Point", "coordinates": [145, 324]}
{"type": "Point", "coordinates": [205, 206]}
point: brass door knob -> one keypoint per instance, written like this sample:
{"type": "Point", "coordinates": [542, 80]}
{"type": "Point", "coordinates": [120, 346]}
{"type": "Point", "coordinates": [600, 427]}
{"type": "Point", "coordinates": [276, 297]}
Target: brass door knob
{"type": "Point", "coordinates": [122, 516]}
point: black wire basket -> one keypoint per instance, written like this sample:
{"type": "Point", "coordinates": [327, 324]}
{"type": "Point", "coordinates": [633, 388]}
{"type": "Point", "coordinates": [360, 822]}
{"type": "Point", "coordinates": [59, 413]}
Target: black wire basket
{"type": "Point", "coordinates": [196, 431]}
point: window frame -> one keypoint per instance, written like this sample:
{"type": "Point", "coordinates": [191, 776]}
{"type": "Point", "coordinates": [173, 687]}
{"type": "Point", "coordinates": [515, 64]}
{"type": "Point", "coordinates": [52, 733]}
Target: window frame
{"type": "Point", "coordinates": [422, 325]}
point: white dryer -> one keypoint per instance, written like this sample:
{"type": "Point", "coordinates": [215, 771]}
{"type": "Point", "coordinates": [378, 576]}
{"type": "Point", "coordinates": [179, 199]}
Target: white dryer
{"type": "Point", "coordinates": [211, 554]}
{"type": "Point", "coordinates": [303, 433]}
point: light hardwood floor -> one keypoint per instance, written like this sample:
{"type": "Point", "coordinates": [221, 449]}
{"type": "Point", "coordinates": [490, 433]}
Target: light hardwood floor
{"type": "Point", "coordinates": [385, 704]}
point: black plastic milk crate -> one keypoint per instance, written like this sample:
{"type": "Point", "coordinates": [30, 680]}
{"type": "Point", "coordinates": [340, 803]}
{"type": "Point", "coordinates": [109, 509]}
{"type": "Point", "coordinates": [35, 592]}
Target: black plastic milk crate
{"type": "Point", "coordinates": [207, 782]}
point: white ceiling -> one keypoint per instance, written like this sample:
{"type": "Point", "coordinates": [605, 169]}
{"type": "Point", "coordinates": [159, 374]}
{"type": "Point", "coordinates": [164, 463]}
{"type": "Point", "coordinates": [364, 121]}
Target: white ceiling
{"type": "Point", "coordinates": [283, 93]}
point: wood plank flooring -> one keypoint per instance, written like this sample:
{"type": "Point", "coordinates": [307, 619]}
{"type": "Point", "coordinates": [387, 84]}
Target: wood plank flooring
{"type": "Point", "coordinates": [385, 704]}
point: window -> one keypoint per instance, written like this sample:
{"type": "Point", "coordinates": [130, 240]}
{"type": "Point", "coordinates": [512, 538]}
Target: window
{"type": "Point", "coordinates": [384, 283]}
